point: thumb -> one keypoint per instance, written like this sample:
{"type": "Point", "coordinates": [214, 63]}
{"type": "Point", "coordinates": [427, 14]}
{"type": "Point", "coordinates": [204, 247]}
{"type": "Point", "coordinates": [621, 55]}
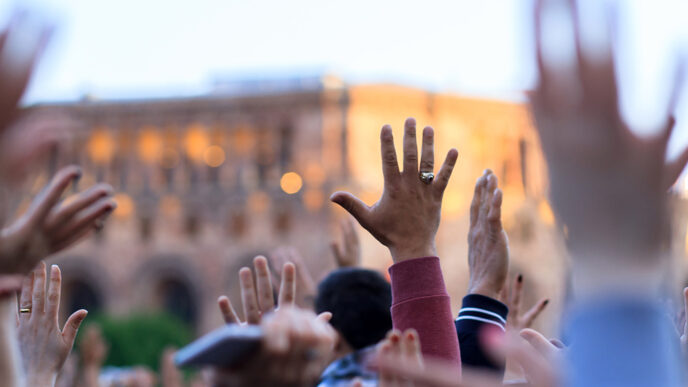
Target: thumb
{"type": "Point", "coordinates": [351, 204]}
{"type": "Point", "coordinates": [72, 326]}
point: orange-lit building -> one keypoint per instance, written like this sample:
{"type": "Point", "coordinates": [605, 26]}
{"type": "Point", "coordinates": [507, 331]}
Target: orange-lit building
{"type": "Point", "coordinates": [205, 183]}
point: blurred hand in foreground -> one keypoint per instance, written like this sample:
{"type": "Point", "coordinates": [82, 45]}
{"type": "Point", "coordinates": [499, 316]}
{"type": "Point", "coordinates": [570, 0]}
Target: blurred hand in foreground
{"type": "Point", "coordinates": [401, 363]}
{"type": "Point", "coordinates": [407, 216]}
{"type": "Point", "coordinates": [49, 226]}
{"type": "Point", "coordinates": [305, 285]}
{"type": "Point", "coordinates": [257, 297]}
{"type": "Point", "coordinates": [44, 346]}
{"type": "Point", "coordinates": [296, 347]}
{"type": "Point", "coordinates": [347, 253]}
{"type": "Point", "coordinates": [607, 185]}
{"type": "Point", "coordinates": [488, 245]}
{"type": "Point", "coordinates": [517, 320]}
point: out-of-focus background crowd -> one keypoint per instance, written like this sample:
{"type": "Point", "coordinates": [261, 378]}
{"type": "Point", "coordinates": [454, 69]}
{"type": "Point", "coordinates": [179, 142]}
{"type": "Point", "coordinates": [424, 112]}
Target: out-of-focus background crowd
{"type": "Point", "coordinates": [239, 156]}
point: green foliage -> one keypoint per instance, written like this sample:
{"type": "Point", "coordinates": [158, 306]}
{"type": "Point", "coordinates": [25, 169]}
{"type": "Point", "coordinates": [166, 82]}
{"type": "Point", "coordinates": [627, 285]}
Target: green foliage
{"type": "Point", "coordinates": [140, 339]}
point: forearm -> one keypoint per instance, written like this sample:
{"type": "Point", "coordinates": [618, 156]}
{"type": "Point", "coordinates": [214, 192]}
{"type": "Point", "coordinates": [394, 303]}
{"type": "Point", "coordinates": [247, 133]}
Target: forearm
{"type": "Point", "coordinates": [89, 376]}
{"type": "Point", "coordinates": [420, 301]}
{"type": "Point", "coordinates": [477, 313]}
{"type": "Point", "coordinates": [11, 371]}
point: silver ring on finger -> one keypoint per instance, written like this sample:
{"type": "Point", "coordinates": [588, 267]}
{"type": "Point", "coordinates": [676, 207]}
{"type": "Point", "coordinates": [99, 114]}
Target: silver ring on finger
{"type": "Point", "coordinates": [426, 177]}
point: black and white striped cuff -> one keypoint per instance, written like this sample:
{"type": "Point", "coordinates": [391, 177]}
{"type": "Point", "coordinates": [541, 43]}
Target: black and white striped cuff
{"type": "Point", "coordinates": [482, 309]}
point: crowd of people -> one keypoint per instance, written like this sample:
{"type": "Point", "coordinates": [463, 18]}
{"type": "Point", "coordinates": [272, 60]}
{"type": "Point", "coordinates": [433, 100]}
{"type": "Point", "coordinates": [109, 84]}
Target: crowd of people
{"type": "Point", "coordinates": [357, 327]}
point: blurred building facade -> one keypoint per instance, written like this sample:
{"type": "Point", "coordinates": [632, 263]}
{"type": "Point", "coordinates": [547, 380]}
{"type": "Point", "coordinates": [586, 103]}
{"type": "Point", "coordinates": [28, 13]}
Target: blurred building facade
{"type": "Point", "coordinates": [205, 183]}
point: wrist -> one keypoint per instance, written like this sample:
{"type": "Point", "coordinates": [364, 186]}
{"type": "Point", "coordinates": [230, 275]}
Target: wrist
{"type": "Point", "coordinates": [484, 289]}
{"type": "Point", "coordinates": [38, 379]}
{"type": "Point", "coordinates": [403, 253]}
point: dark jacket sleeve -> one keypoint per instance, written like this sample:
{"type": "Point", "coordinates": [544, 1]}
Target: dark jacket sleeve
{"type": "Point", "coordinates": [477, 312]}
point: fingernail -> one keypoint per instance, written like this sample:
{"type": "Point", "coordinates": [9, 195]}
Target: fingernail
{"type": "Point", "coordinates": [520, 278]}
{"type": "Point", "coordinates": [546, 302]}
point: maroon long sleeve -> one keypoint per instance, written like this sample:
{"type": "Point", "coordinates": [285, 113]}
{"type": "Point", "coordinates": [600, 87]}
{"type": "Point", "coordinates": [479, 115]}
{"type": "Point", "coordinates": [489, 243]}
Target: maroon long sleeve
{"type": "Point", "coordinates": [420, 301]}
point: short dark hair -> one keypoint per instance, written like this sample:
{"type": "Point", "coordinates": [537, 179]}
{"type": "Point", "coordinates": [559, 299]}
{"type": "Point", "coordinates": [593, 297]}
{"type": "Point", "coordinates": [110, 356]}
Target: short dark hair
{"type": "Point", "coordinates": [360, 302]}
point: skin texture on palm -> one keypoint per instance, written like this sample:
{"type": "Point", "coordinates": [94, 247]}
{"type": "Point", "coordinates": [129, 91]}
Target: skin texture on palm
{"type": "Point", "coordinates": [44, 346]}
{"type": "Point", "coordinates": [488, 245]}
{"type": "Point", "coordinates": [407, 216]}
{"type": "Point", "coordinates": [607, 185]}
{"type": "Point", "coordinates": [49, 226]}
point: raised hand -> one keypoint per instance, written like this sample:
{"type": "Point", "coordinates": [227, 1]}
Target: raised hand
{"type": "Point", "coordinates": [44, 346]}
{"type": "Point", "coordinates": [297, 346]}
{"type": "Point", "coordinates": [607, 184]}
{"type": "Point", "coordinates": [257, 297]}
{"type": "Point", "coordinates": [517, 320]}
{"type": "Point", "coordinates": [407, 216]}
{"type": "Point", "coordinates": [347, 253]}
{"type": "Point", "coordinates": [488, 246]}
{"type": "Point", "coordinates": [49, 226]}
{"type": "Point", "coordinates": [93, 350]}
{"type": "Point", "coordinates": [305, 285]}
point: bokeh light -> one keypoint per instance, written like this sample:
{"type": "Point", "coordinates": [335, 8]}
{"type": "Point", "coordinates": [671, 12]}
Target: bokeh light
{"type": "Point", "coordinates": [125, 206]}
{"type": "Point", "coordinates": [101, 146]}
{"type": "Point", "coordinates": [291, 183]}
{"type": "Point", "coordinates": [214, 156]}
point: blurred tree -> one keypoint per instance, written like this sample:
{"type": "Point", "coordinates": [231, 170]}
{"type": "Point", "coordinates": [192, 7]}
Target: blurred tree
{"type": "Point", "coordinates": [139, 339]}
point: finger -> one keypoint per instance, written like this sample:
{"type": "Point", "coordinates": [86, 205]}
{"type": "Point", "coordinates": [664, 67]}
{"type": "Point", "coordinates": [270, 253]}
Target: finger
{"type": "Point", "coordinates": [16, 70]}
{"type": "Point", "coordinates": [287, 293]}
{"type": "Point", "coordinates": [337, 252]}
{"type": "Point", "coordinates": [325, 317]}
{"type": "Point", "coordinates": [85, 219]}
{"type": "Point", "coordinates": [72, 326]}
{"type": "Point", "coordinates": [516, 295]}
{"type": "Point", "coordinates": [350, 234]}
{"type": "Point", "coordinates": [26, 296]}
{"type": "Point", "coordinates": [557, 343]}
{"type": "Point", "coordinates": [535, 311]}
{"type": "Point", "coordinates": [685, 307]}
{"type": "Point", "coordinates": [410, 149]}
{"type": "Point", "coordinates": [352, 205]}
{"type": "Point", "coordinates": [38, 299]}
{"type": "Point", "coordinates": [427, 154]}
{"type": "Point", "coordinates": [390, 167]}
{"type": "Point", "coordinates": [54, 290]}
{"type": "Point", "coordinates": [47, 199]}
{"type": "Point", "coordinates": [494, 216]}
{"type": "Point", "coordinates": [83, 200]}
{"type": "Point", "coordinates": [445, 171]}
{"type": "Point", "coordinates": [411, 346]}
{"type": "Point", "coordinates": [266, 297]}
{"type": "Point", "coordinates": [539, 342]}
{"type": "Point", "coordinates": [477, 196]}
{"type": "Point", "coordinates": [248, 296]}
{"type": "Point", "coordinates": [227, 310]}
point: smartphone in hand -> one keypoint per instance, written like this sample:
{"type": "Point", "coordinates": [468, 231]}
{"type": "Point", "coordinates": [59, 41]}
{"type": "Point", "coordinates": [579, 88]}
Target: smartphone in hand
{"type": "Point", "coordinates": [225, 347]}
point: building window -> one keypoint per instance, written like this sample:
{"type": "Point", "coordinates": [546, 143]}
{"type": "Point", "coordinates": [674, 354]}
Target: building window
{"type": "Point", "coordinates": [176, 298]}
